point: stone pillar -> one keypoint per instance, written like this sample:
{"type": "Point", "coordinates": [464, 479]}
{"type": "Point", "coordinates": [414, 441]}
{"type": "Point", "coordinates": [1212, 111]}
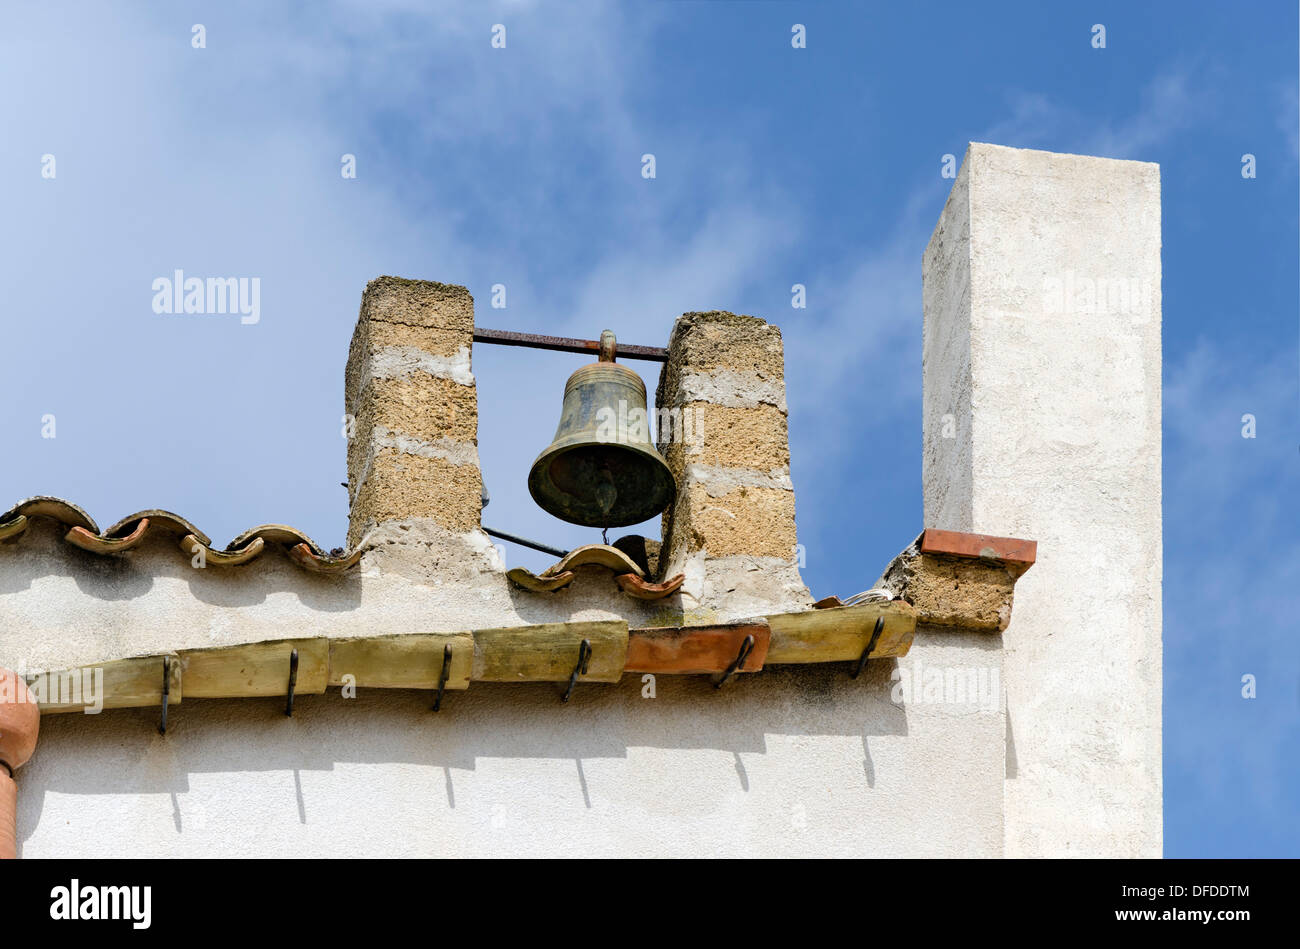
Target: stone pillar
{"type": "Point", "coordinates": [722, 429]}
{"type": "Point", "coordinates": [1041, 357]}
{"type": "Point", "coordinates": [413, 455]}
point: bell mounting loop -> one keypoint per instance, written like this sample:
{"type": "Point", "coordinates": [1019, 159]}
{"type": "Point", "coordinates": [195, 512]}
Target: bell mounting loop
{"type": "Point", "coordinates": [608, 346]}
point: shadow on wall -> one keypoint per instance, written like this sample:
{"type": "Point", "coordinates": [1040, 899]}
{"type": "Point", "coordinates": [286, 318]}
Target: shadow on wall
{"type": "Point", "coordinates": [120, 752]}
{"type": "Point", "coordinates": [42, 553]}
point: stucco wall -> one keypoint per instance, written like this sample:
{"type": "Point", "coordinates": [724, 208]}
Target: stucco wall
{"type": "Point", "coordinates": [794, 760]}
{"type": "Point", "coordinates": [1042, 342]}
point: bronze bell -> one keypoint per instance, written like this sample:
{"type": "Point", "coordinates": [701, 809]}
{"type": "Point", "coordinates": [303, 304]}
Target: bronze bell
{"type": "Point", "coordinates": [601, 469]}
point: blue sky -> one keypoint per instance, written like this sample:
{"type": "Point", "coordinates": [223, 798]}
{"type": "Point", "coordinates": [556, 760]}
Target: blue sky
{"type": "Point", "coordinates": [774, 166]}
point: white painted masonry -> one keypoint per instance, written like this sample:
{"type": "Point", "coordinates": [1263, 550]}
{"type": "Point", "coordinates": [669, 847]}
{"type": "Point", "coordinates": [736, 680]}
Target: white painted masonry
{"type": "Point", "coordinates": [1053, 383]}
{"type": "Point", "coordinates": [1057, 421]}
{"type": "Point", "coordinates": [796, 760]}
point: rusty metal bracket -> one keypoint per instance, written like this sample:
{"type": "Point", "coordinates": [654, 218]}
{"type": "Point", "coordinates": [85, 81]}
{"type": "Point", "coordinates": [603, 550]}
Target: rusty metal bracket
{"type": "Point", "coordinates": [166, 690]}
{"type": "Point", "coordinates": [293, 681]}
{"type": "Point", "coordinates": [442, 676]}
{"type": "Point", "coordinates": [875, 637]}
{"type": "Point", "coordinates": [584, 659]}
{"type": "Point", "coordinates": [738, 663]}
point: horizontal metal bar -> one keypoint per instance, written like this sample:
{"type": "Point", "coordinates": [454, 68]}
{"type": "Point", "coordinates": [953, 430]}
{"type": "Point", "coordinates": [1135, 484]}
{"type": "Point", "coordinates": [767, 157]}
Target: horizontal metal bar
{"type": "Point", "coordinates": [524, 542]}
{"type": "Point", "coordinates": [565, 344]}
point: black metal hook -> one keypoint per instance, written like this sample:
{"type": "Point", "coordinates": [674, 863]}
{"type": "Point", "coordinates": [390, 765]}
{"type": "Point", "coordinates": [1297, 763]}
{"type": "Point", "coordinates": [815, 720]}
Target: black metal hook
{"type": "Point", "coordinates": [584, 659]}
{"type": "Point", "coordinates": [738, 663]}
{"type": "Point", "coordinates": [875, 637]}
{"type": "Point", "coordinates": [167, 686]}
{"type": "Point", "coordinates": [293, 681]}
{"type": "Point", "coordinates": [442, 677]}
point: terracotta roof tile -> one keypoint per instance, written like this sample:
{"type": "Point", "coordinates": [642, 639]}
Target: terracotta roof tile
{"type": "Point", "coordinates": [630, 578]}
{"type": "Point", "coordinates": [80, 537]}
{"type": "Point", "coordinates": [984, 546]}
{"type": "Point", "coordinates": [131, 531]}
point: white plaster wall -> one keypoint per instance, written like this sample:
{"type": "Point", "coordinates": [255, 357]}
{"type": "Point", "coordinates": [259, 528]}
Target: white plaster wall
{"type": "Point", "coordinates": [1057, 439]}
{"type": "Point", "coordinates": [790, 761]}
{"type": "Point", "coordinates": [793, 760]}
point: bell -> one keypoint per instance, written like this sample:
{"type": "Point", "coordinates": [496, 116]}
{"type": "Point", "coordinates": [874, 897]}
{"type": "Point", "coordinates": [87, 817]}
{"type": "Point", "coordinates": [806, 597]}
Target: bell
{"type": "Point", "coordinates": [601, 469]}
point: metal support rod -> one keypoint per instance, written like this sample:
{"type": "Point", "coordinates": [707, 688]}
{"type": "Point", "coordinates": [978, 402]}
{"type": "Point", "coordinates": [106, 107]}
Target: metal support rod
{"type": "Point", "coordinates": [584, 657]}
{"type": "Point", "coordinates": [524, 542]}
{"type": "Point", "coordinates": [738, 663]}
{"type": "Point", "coordinates": [293, 681]}
{"type": "Point", "coordinates": [566, 344]}
{"type": "Point", "coordinates": [875, 637]}
{"type": "Point", "coordinates": [167, 686]}
{"type": "Point", "coordinates": [442, 676]}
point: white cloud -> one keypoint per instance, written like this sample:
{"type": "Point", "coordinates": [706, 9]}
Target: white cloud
{"type": "Point", "coordinates": [1287, 122]}
{"type": "Point", "coordinates": [225, 160]}
{"type": "Point", "coordinates": [1231, 571]}
{"type": "Point", "coordinates": [1167, 105]}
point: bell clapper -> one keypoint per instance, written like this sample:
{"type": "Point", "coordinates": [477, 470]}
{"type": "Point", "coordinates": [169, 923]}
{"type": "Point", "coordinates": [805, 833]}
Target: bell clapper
{"type": "Point", "coordinates": [606, 493]}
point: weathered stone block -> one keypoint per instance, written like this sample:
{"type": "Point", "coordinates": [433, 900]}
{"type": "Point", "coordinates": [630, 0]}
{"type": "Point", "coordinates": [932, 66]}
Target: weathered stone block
{"type": "Point", "coordinates": [729, 437]}
{"type": "Point", "coordinates": [401, 487]}
{"type": "Point", "coordinates": [731, 530]}
{"type": "Point", "coordinates": [410, 391]}
{"type": "Point", "coordinates": [418, 303]}
{"type": "Point", "coordinates": [754, 521]}
{"type": "Point", "coordinates": [721, 340]}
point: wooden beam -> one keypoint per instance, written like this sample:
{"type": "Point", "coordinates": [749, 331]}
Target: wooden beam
{"type": "Point", "coordinates": [841, 633]}
{"type": "Point", "coordinates": [123, 683]}
{"type": "Point", "coordinates": [255, 669]}
{"type": "Point", "coordinates": [549, 652]}
{"type": "Point", "coordinates": [407, 661]}
{"type": "Point", "coordinates": [542, 653]}
{"type": "Point", "coordinates": [695, 649]}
